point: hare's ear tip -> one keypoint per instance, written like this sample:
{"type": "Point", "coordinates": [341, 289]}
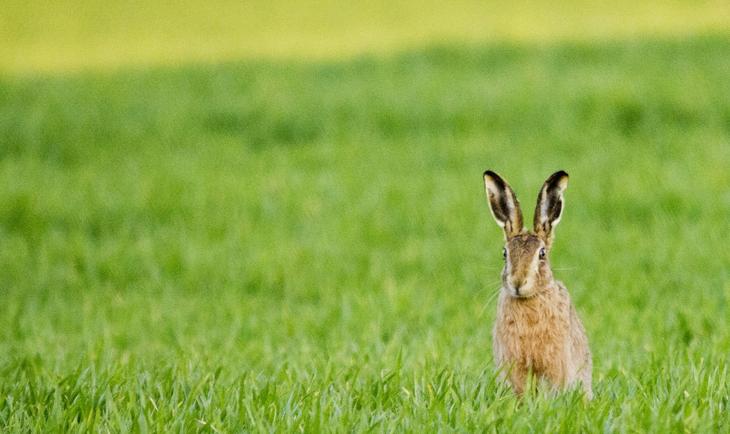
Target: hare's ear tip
{"type": "Point", "coordinates": [490, 175]}
{"type": "Point", "coordinates": [559, 178]}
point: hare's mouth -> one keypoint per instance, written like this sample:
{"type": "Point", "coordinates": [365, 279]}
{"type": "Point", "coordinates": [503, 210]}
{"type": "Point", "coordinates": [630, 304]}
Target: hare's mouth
{"type": "Point", "coordinates": [521, 293]}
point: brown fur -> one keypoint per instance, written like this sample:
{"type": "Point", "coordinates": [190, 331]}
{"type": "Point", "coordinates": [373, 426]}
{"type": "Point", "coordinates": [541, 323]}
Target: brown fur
{"type": "Point", "coordinates": [537, 329]}
{"type": "Point", "coordinates": [542, 335]}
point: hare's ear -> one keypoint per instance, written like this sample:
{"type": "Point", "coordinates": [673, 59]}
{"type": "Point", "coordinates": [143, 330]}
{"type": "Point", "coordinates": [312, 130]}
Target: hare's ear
{"type": "Point", "coordinates": [550, 204]}
{"type": "Point", "coordinates": [503, 203]}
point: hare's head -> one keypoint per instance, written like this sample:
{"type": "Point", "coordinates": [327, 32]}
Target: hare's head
{"type": "Point", "coordinates": [526, 265]}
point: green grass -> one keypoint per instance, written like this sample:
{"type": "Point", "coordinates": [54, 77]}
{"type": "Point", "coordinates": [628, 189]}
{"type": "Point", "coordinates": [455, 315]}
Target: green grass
{"type": "Point", "coordinates": [284, 246]}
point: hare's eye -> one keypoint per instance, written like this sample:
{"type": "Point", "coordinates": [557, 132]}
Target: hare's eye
{"type": "Point", "coordinates": [542, 252]}
{"type": "Point", "coordinates": [504, 253]}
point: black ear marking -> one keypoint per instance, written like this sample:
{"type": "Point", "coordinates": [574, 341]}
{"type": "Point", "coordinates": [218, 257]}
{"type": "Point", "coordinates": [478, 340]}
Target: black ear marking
{"type": "Point", "coordinates": [500, 211]}
{"type": "Point", "coordinates": [550, 205]}
{"type": "Point", "coordinates": [503, 204]}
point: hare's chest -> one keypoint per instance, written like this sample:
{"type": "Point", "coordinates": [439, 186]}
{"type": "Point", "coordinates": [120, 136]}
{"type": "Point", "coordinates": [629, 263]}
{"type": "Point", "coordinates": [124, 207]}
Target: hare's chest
{"type": "Point", "coordinates": [531, 339]}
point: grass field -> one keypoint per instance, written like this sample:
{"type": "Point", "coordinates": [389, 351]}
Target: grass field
{"type": "Point", "coordinates": [297, 245]}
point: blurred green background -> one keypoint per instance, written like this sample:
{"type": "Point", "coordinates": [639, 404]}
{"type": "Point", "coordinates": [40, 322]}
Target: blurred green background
{"type": "Point", "coordinates": [263, 216]}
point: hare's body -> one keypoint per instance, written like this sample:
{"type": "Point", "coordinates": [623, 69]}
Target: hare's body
{"type": "Point", "coordinates": [542, 335]}
{"type": "Point", "coordinates": [537, 330]}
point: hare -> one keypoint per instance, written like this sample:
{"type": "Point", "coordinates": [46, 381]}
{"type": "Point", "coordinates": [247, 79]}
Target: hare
{"type": "Point", "coordinates": [537, 330]}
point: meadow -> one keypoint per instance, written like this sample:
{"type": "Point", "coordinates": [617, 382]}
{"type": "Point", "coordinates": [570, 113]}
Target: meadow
{"type": "Point", "coordinates": [281, 245]}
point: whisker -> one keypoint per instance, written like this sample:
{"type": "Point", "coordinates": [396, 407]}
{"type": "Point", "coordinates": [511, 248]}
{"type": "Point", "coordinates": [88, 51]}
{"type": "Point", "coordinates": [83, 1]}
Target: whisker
{"type": "Point", "coordinates": [490, 283]}
{"type": "Point", "coordinates": [488, 302]}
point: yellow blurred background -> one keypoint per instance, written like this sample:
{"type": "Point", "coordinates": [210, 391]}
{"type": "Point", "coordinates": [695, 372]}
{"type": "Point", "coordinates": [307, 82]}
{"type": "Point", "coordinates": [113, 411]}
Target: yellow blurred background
{"type": "Point", "coordinates": [92, 34]}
